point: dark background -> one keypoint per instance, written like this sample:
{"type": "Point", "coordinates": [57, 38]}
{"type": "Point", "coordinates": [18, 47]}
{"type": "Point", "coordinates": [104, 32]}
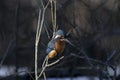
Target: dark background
{"type": "Point", "coordinates": [93, 26]}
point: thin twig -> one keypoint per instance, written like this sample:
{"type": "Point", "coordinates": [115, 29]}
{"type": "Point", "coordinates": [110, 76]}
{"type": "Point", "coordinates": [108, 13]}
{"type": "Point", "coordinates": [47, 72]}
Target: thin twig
{"type": "Point", "coordinates": [42, 3]}
{"type": "Point", "coordinates": [111, 56]}
{"type": "Point", "coordinates": [44, 75]}
{"type": "Point", "coordinates": [42, 20]}
{"type": "Point", "coordinates": [38, 33]}
{"type": "Point", "coordinates": [38, 26]}
{"type": "Point", "coordinates": [93, 60]}
{"type": "Point", "coordinates": [53, 63]}
{"type": "Point", "coordinates": [6, 53]}
{"type": "Point", "coordinates": [53, 15]}
{"type": "Point", "coordinates": [36, 44]}
{"type": "Point", "coordinates": [45, 65]}
{"type": "Point", "coordinates": [47, 32]}
{"type": "Point", "coordinates": [30, 75]}
{"type": "Point", "coordinates": [44, 62]}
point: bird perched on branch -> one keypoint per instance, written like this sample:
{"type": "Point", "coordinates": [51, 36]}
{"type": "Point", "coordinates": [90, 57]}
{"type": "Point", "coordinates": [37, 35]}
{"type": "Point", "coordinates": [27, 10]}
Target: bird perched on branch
{"type": "Point", "coordinates": [56, 45]}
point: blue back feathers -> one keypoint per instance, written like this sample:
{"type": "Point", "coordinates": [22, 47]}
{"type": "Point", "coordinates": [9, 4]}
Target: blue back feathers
{"type": "Point", "coordinates": [51, 45]}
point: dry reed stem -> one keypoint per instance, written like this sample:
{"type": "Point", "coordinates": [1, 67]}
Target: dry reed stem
{"type": "Point", "coordinates": [46, 65]}
{"type": "Point", "coordinates": [53, 15]}
{"type": "Point", "coordinates": [38, 33]}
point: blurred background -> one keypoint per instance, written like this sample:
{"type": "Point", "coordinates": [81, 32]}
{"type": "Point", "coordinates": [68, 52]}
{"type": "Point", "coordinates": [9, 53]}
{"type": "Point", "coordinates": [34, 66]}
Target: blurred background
{"type": "Point", "coordinates": [93, 26]}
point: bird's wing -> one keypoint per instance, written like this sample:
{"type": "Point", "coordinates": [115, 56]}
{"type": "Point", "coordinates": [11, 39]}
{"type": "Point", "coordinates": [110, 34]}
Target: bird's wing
{"type": "Point", "coordinates": [51, 45]}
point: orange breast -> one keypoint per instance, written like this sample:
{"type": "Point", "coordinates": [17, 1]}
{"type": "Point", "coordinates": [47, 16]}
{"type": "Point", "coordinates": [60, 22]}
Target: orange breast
{"type": "Point", "coordinates": [52, 54]}
{"type": "Point", "coordinates": [59, 46]}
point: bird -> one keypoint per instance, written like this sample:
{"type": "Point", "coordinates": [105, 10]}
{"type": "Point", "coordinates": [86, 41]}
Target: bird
{"type": "Point", "coordinates": [56, 45]}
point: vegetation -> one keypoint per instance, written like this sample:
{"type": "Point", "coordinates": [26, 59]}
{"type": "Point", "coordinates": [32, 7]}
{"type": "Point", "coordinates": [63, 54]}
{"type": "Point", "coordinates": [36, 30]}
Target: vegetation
{"type": "Point", "coordinates": [92, 26]}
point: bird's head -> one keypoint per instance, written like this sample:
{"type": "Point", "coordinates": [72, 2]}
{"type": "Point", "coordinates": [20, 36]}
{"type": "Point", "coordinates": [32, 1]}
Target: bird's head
{"type": "Point", "coordinates": [59, 34]}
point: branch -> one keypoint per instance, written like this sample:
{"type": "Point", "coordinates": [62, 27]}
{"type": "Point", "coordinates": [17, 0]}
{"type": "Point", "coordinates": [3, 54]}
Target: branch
{"type": "Point", "coordinates": [11, 45]}
{"type": "Point", "coordinates": [38, 33]}
{"type": "Point", "coordinates": [46, 65]}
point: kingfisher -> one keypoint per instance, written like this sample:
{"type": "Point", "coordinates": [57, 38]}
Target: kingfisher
{"type": "Point", "coordinates": [57, 44]}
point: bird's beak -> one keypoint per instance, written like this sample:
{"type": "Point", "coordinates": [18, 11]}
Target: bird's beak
{"type": "Point", "coordinates": [66, 40]}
